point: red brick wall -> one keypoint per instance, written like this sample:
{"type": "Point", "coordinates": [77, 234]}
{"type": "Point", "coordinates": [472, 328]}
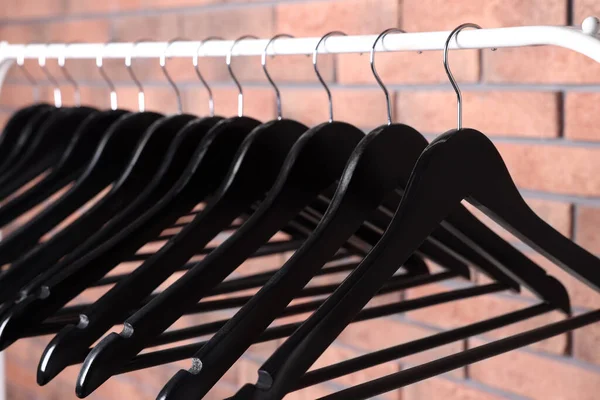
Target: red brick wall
{"type": "Point", "coordinates": [540, 105]}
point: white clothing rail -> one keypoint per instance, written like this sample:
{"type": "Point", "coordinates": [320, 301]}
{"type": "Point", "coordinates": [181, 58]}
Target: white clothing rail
{"type": "Point", "coordinates": [584, 41]}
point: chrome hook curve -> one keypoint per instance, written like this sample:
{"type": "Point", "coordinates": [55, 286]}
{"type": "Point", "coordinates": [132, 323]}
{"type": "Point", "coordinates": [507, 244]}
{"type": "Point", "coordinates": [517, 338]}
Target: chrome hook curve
{"type": "Point", "coordinates": [454, 33]}
{"type": "Point", "coordinates": [100, 64]}
{"type": "Point", "coordinates": [128, 59]}
{"type": "Point", "coordinates": [211, 101]}
{"type": "Point", "coordinates": [163, 66]}
{"type": "Point", "coordinates": [52, 79]}
{"type": "Point", "coordinates": [62, 58]}
{"type": "Point", "coordinates": [264, 66]}
{"type": "Point", "coordinates": [237, 83]}
{"type": "Point", "coordinates": [381, 37]}
{"type": "Point", "coordinates": [315, 57]}
{"type": "Point", "coordinates": [27, 74]}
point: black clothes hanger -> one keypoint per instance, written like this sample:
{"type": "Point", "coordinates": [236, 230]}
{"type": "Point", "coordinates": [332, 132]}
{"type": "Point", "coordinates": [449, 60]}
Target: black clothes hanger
{"type": "Point", "coordinates": [201, 178]}
{"type": "Point", "coordinates": [11, 138]}
{"type": "Point", "coordinates": [110, 160]}
{"type": "Point", "coordinates": [388, 153]}
{"type": "Point", "coordinates": [71, 164]}
{"type": "Point", "coordinates": [305, 173]}
{"type": "Point", "coordinates": [16, 132]}
{"type": "Point", "coordinates": [135, 176]}
{"type": "Point", "coordinates": [460, 164]}
{"type": "Point", "coordinates": [418, 373]}
{"type": "Point", "coordinates": [252, 173]}
{"type": "Point", "coordinates": [45, 146]}
{"type": "Point", "coordinates": [76, 155]}
{"type": "Point", "coordinates": [49, 135]}
{"type": "Point", "coordinates": [104, 168]}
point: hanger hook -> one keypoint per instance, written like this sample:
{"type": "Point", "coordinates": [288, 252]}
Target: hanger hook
{"type": "Point", "coordinates": [447, 67]}
{"type": "Point", "coordinates": [264, 66]}
{"type": "Point", "coordinates": [237, 83]}
{"type": "Point", "coordinates": [27, 74]}
{"type": "Point", "coordinates": [57, 92]}
{"type": "Point", "coordinates": [62, 58]}
{"type": "Point", "coordinates": [381, 37]}
{"type": "Point", "coordinates": [163, 65]}
{"type": "Point", "coordinates": [111, 86]}
{"type": "Point", "coordinates": [128, 58]}
{"type": "Point", "coordinates": [211, 102]}
{"type": "Point", "coordinates": [315, 57]}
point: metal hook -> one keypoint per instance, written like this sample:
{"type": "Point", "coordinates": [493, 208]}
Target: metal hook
{"type": "Point", "coordinates": [57, 92]}
{"type": "Point", "coordinates": [163, 65]}
{"type": "Point", "coordinates": [447, 67]}
{"type": "Point", "coordinates": [237, 83]}
{"type": "Point", "coordinates": [27, 74]}
{"type": "Point", "coordinates": [264, 66]}
{"type": "Point", "coordinates": [141, 94]}
{"type": "Point", "coordinates": [315, 56]}
{"type": "Point", "coordinates": [111, 86]}
{"type": "Point", "coordinates": [61, 63]}
{"type": "Point", "coordinates": [211, 102]}
{"type": "Point", "coordinates": [377, 78]}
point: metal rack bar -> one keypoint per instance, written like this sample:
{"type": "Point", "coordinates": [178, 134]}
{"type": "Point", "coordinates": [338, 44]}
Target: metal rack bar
{"type": "Point", "coordinates": [584, 41]}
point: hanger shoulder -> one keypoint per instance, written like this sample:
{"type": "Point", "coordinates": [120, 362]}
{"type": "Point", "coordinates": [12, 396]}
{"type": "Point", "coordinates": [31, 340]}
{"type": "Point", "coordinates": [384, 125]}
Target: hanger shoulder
{"type": "Point", "coordinates": [445, 167]}
{"type": "Point", "coordinates": [47, 253]}
{"type": "Point", "coordinates": [357, 196]}
{"type": "Point", "coordinates": [16, 172]}
{"type": "Point", "coordinates": [103, 168]}
{"type": "Point", "coordinates": [306, 154]}
{"type": "Point", "coordinates": [13, 130]}
{"type": "Point", "coordinates": [73, 342]}
{"type": "Point", "coordinates": [76, 155]}
{"type": "Point", "coordinates": [512, 212]}
{"type": "Point", "coordinates": [47, 143]}
{"type": "Point", "coordinates": [117, 240]}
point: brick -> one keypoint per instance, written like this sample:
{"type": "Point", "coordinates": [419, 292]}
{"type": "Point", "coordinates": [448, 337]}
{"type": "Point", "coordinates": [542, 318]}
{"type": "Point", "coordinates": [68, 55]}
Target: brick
{"type": "Point", "coordinates": [550, 168]}
{"type": "Point", "coordinates": [505, 113]}
{"type": "Point", "coordinates": [13, 9]}
{"type": "Point", "coordinates": [89, 30]}
{"type": "Point", "coordinates": [190, 3]}
{"type": "Point", "coordinates": [362, 108]}
{"type": "Point", "coordinates": [99, 96]}
{"type": "Point", "coordinates": [257, 265]}
{"type": "Point", "coordinates": [300, 68]}
{"type": "Point", "coordinates": [585, 343]}
{"type": "Point", "coordinates": [580, 294]}
{"type": "Point", "coordinates": [407, 67]}
{"type": "Point", "coordinates": [583, 9]}
{"type": "Point", "coordinates": [16, 95]}
{"type": "Point", "coordinates": [586, 231]}
{"type": "Point", "coordinates": [149, 27]}
{"type": "Point", "coordinates": [581, 120]}
{"type": "Point", "coordinates": [283, 69]}
{"type": "Point", "coordinates": [536, 376]}
{"type": "Point", "coordinates": [22, 33]}
{"type": "Point", "coordinates": [310, 393]}
{"type": "Point", "coordinates": [435, 15]}
{"type": "Point", "coordinates": [229, 24]}
{"type": "Point", "coordinates": [444, 387]}
{"type": "Point", "coordinates": [109, 6]}
{"type": "Point", "coordinates": [555, 213]}
{"type": "Point", "coordinates": [381, 333]}
{"type": "Point", "coordinates": [352, 17]}
{"type": "Point", "coordinates": [550, 65]}
{"type": "Point", "coordinates": [335, 354]}
{"type": "Point", "coordinates": [4, 117]}
{"type": "Point", "coordinates": [463, 312]}
{"type": "Point", "coordinates": [259, 103]}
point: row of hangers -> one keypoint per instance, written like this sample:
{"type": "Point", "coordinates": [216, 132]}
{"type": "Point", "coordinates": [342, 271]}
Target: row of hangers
{"type": "Point", "coordinates": [373, 206]}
